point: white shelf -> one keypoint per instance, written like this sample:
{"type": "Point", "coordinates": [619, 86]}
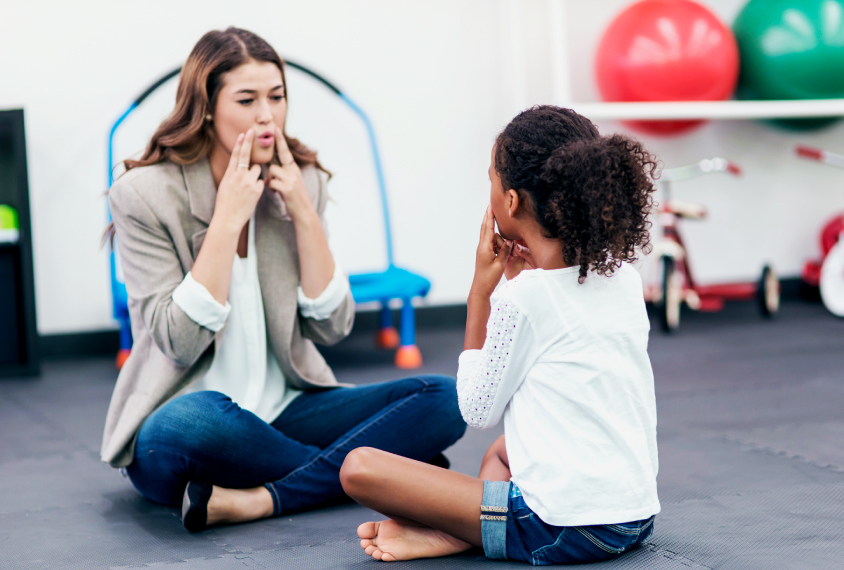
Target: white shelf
{"type": "Point", "coordinates": [712, 110]}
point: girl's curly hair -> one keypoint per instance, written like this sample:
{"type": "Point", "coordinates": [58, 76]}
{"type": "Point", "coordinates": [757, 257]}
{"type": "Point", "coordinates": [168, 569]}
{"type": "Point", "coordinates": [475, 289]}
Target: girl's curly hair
{"type": "Point", "coordinates": [591, 192]}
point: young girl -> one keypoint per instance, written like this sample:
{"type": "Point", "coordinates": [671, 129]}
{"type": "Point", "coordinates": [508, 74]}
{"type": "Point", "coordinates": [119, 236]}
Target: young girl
{"type": "Point", "coordinates": [560, 351]}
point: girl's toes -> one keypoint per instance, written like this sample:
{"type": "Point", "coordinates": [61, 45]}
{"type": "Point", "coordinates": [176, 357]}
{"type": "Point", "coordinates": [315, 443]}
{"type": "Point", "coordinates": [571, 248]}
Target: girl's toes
{"type": "Point", "coordinates": [377, 554]}
{"type": "Point", "coordinates": [370, 549]}
{"type": "Point", "coordinates": [368, 530]}
{"type": "Point", "coordinates": [364, 542]}
{"type": "Point", "coordinates": [387, 557]}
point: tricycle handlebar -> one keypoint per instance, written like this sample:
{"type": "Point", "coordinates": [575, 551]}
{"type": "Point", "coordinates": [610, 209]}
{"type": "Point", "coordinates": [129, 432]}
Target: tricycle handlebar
{"type": "Point", "coordinates": [819, 155]}
{"type": "Point", "coordinates": [705, 166]}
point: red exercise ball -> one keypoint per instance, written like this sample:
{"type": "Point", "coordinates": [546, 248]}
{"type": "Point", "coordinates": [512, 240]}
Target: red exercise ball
{"type": "Point", "coordinates": [667, 50]}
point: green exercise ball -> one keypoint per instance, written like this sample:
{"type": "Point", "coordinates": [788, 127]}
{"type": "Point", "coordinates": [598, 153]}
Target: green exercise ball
{"type": "Point", "coordinates": [791, 49]}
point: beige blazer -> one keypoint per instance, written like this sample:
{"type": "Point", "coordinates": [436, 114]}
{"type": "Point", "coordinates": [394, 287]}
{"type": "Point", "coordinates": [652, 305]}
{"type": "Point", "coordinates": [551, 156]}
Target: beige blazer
{"type": "Point", "coordinates": [161, 214]}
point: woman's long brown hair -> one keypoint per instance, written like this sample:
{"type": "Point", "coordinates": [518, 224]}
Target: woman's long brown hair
{"type": "Point", "coordinates": [185, 136]}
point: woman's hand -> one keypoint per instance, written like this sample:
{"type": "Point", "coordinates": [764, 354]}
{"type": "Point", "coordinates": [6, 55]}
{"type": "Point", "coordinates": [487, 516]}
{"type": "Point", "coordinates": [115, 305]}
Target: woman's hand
{"type": "Point", "coordinates": [519, 260]}
{"type": "Point", "coordinates": [491, 258]}
{"type": "Point", "coordinates": [288, 182]}
{"type": "Point", "coordinates": [240, 189]}
{"type": "Point", "coordinates": [316, 264]}
{"type": "Point", "coordinates": [237, 195]}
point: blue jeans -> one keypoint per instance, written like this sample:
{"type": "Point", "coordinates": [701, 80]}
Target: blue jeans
{"type": "Point", "coordinates": [205, 436]}
{"type": "Point", "coordinates": [510, 529]}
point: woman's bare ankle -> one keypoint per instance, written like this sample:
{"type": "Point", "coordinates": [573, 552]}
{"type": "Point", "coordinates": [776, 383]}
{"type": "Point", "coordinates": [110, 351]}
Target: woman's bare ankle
{"type": "Point", "coordinates": [239, 505]}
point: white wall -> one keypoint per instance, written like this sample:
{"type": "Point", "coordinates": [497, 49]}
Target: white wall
{"type": "Point", "coordinates": [439, 78]}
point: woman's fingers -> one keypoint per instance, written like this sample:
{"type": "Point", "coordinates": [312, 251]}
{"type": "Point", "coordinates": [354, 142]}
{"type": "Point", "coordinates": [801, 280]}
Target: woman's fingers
{"type": "Point", "coordinates": [278, 179]}
{"type": "Point", "coordinates": [284, 154]}
{"type": "Point", "coordinates": [246, 148]}
{"type": "Point", "coordinates": [236, 152]}
{"type": "Point", "coordinates": [275, 184]}
{"type": "Point", "coordinates": [276, 172]}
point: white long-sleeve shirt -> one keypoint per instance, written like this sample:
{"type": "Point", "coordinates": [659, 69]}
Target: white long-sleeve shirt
{"type": "Point", "coordinates": [245, 367]}
{"type": "Point", "coordinates": [566, 365]}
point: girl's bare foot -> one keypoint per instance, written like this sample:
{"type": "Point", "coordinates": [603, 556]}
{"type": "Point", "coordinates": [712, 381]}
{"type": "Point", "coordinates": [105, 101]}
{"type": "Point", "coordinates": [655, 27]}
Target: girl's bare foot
{"type": "Point", "coordinates": [239, 505]}
{"type": "Point", "coordinates": [390, 541]}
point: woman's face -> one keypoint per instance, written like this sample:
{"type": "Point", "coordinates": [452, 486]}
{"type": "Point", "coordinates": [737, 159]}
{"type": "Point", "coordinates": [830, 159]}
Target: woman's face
{"type": "Point", "coordinates": [252, 97]}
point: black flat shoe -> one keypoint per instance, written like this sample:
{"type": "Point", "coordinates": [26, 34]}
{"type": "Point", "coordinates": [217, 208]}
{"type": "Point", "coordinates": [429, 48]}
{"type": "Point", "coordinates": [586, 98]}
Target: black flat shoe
{"type": "Point", "coordinates": [440, 460]}
{"type": "Point", "coordinates": [195, 505]}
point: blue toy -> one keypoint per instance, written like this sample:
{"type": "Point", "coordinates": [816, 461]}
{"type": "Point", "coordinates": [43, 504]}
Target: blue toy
{"type": "Point", "coordinates": [393, 283]}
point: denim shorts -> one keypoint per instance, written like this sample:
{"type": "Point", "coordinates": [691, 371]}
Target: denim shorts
{"type": "Point", "coordinates": [511, 530]}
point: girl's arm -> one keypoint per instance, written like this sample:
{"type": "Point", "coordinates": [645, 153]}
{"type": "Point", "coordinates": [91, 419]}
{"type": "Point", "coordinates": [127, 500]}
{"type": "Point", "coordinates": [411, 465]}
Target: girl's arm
{"type": "Point", "coordinates": [477, 315]}
{"type": "Point", "coordinates": [499, 344]}
{"type": "Point", "coordinates": [490, 261]}
{"type": "Point", "coordinates": [488, 378]}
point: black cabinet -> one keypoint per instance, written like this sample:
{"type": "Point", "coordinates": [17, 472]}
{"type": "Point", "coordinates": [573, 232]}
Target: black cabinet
{"type": "Point", "coordinates": [18, 334]}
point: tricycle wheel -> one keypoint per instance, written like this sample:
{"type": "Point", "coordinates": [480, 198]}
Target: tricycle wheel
{"type": "Point", "coordinates": [832, 280]}
{"type": "Point", "coordinates": [672, 295]}
{"type": "Point", "coordinates": [768, 293]}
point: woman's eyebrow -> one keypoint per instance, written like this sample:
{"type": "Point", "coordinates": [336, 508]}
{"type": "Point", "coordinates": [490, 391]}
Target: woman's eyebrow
{"type": "Point", "coordinates": [279, 86]}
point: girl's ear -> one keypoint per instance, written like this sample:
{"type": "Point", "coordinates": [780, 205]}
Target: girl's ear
{"type": "Point", "coordinates": [513, 203]}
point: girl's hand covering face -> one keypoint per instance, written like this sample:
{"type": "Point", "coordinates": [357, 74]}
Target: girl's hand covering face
{"type": "Point", "coordinates": [240, 189]}
{"type": "Point", "coordinates": [491, 258]}
{"type": "Point", "coordinates": [287, 180]}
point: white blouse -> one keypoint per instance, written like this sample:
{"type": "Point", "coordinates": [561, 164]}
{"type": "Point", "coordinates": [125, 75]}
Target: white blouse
{"type": "Point", "coordinates": [245, 367]}
{"type": "Point", "coordinates": [566, 365]}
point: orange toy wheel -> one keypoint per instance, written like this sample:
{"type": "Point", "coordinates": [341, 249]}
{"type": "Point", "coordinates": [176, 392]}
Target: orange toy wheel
{"type": "Point", "coordinates": [408, 357]}
{"type": "Point", "coordinates": [387, 338]}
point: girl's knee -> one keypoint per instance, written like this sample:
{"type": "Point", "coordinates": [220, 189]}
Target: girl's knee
{"type": "Point", "coordinates": [357, 470]}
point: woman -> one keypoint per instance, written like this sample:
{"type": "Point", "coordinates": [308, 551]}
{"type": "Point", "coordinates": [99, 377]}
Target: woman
{"type": "Point", "coordinates": [225, 406]}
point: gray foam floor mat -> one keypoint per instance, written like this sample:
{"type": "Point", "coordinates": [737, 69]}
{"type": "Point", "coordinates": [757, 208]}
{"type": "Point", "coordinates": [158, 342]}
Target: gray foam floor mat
{"type": "Point", "coordinates": [751, 436]}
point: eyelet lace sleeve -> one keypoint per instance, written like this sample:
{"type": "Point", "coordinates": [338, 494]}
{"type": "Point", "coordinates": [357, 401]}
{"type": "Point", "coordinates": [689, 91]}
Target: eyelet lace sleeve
{"type": "Point", "coordinates": [487, 378]}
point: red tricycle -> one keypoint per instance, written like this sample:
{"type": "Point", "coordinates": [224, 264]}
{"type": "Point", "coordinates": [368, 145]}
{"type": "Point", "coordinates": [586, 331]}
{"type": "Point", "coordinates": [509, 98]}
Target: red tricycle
{"type": "Point", "coordinates": [827, 273]}
{"type": "Point", "coordinates": [675, 284]}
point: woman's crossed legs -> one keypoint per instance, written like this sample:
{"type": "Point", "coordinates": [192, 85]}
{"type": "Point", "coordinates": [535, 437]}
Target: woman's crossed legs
{"type": "Point", "coordinates": [259, 469]}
